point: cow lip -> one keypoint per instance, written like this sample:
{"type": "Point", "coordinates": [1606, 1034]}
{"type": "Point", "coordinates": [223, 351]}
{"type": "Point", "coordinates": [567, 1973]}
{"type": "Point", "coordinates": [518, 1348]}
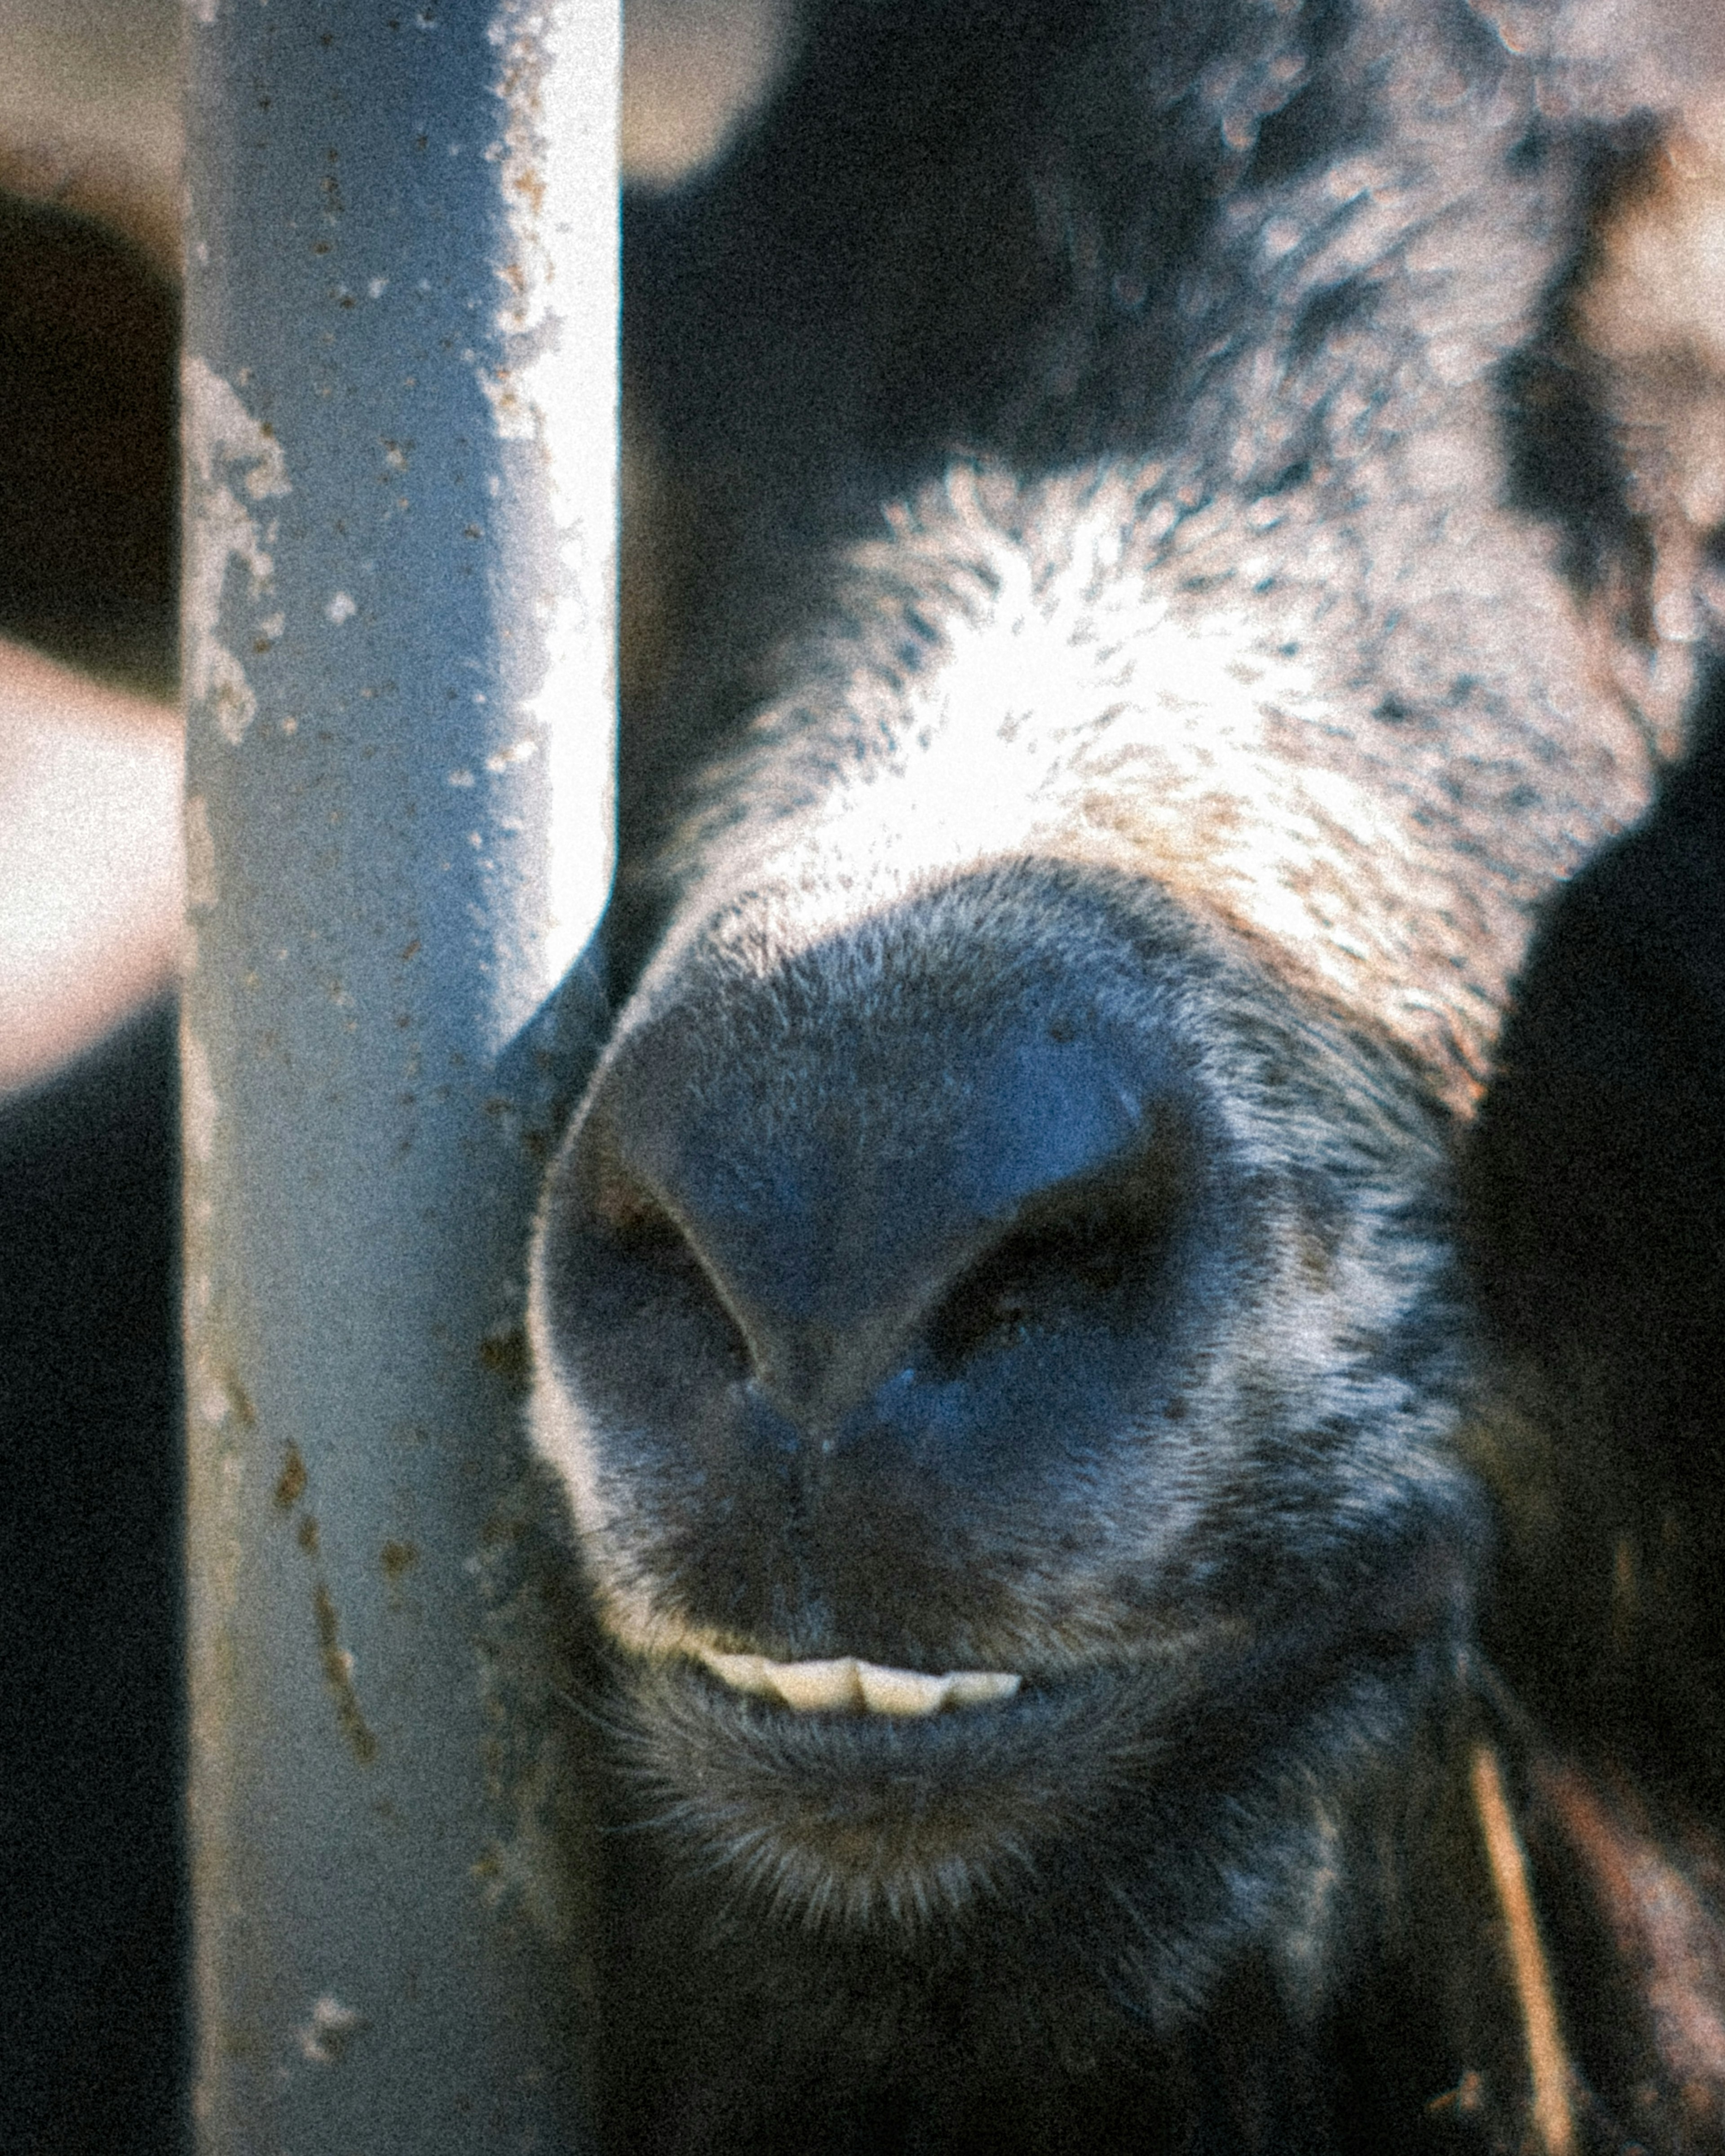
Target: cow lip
{"type": "Point", "coordinates": [848, 1684]}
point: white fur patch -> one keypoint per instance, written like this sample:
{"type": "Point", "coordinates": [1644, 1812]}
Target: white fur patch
{"type": "Point", "coordinates": [1085, 704]}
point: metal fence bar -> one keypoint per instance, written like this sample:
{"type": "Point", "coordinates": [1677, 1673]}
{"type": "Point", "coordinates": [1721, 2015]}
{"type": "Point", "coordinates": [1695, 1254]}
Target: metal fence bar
{"type": "Point", "coordinates": [399, 417]}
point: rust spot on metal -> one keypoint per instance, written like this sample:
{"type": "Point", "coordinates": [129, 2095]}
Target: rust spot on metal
{"type": "Point", "coordinates": [307, 1536]}
{"type": "Point", "coordinates": [398, 1558]}
{"type": "Point", "coordinates": [505, 1354]}
{"type": "Point", "coordinates": [338, 1675]}
{"type": "Point", "coordinates": [239, 1400]}
{"type": "Point", "coordinates": [290, 1483]}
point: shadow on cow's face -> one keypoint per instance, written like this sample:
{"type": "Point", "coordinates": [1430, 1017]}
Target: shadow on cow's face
{"type": "Point", "coordinates": [1015, 1283]}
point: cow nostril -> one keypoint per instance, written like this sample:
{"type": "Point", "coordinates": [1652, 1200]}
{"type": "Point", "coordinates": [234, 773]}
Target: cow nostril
{"type": "Point", "coordinates": [637, 1220]}
{"type": "Point", "coordinates": [1089, 1261]}
{"type": "Point", "coordinates": [836, 1172]}
{"type": "Point", "coordinates": [649, 1258]}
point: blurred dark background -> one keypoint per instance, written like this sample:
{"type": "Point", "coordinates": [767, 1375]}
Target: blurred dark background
{"type": "Point", "coordinates": [1598, 1178]}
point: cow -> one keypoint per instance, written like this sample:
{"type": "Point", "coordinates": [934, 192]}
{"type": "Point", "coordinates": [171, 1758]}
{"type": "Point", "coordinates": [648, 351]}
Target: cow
{"type": "Point", "coordinates": [1099, 1528]}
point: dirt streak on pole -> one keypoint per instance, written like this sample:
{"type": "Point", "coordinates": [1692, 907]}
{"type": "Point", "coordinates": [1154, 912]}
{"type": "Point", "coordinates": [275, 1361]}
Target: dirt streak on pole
{"type": "Point", "coordinates": [399, 414]}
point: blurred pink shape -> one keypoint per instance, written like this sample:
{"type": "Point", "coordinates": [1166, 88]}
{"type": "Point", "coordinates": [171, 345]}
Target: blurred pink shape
{"type": "Point", "coordinates": [91, 886]}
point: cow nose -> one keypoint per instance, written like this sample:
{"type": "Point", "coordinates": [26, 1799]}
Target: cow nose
{"type": "Point", "coordinates": [851, 1199]}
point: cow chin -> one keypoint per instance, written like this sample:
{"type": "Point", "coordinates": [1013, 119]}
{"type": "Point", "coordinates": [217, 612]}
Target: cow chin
{"type": "Point", "coordinates": [1182, 1809]}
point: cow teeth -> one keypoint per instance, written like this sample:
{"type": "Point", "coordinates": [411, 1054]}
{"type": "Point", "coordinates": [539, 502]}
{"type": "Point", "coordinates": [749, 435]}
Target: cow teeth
{"type": "Point", "coordinates": [976, 1687]}
{"type": "Point", "coordinates": [811, 1687]}
{"type": "Point", "coordinates": [902, 1692]}
{"type": "Point", "coordinates": [849, 1686]}
{"type": "Point", "coordinates": [741, 1672]}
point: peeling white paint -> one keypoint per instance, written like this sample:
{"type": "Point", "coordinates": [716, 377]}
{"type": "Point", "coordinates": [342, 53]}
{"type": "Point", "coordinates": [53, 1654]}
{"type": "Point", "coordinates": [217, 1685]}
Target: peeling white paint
{"type": "Point", "coordinates": [211, 1402]}
{"type": "Point", "coordinates": [201, 886]}
{"type": "Point", "coordinates": [327, 2032]}
{"type": "Point", "coordinates": [201, 1106]}
{"type": "Point", "coordinates": [223, 442]}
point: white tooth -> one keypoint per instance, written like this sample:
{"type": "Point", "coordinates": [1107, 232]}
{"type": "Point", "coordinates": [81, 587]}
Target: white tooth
{"type": "Point", "coordinates": [811, 1687]}
{"type": "Point", "coordinates": [976, 1687]}
{"type": "Point", "coordinates": [742, 1673]}
{"type": "Point", "coordinates": [902, 1692]}
{"type": "Point", "coordinates": [847, 1684]}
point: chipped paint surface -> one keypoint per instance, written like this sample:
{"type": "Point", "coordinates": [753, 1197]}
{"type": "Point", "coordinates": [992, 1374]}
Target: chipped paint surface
{"type": "Point", "coordinates": [228, 454]}
{"type": "Point", "coordinates": [338, 1666]}
{"type": "Point", "coordinates": [199, 1107]}
{"type": "Point", "coordinates": [202, 891]}
{"type": "Point", "coordinates": [371, 565]}
{"type": "Point", "coordinates": [327, 2030]}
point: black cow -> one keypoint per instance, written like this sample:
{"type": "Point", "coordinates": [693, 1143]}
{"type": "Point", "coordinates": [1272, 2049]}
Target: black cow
{"type": "Point", "coordinates": [1172, 586]}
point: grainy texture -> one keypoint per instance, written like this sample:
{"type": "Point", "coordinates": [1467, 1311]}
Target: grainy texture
{"type": "Point", "coordinates": [1183, 558]}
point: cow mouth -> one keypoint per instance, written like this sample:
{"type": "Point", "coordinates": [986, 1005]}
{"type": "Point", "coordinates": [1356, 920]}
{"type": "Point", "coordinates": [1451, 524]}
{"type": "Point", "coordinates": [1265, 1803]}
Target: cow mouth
{"type": "Point", "coordinates": [848, 1684]}
{"type": "Point", "coordinates": [855, 1792]}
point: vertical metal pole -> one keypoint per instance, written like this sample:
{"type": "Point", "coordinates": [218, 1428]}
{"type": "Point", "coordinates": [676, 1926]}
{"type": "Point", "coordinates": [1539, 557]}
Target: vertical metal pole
{"type": "Point", "coordinates": [400, 411]}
